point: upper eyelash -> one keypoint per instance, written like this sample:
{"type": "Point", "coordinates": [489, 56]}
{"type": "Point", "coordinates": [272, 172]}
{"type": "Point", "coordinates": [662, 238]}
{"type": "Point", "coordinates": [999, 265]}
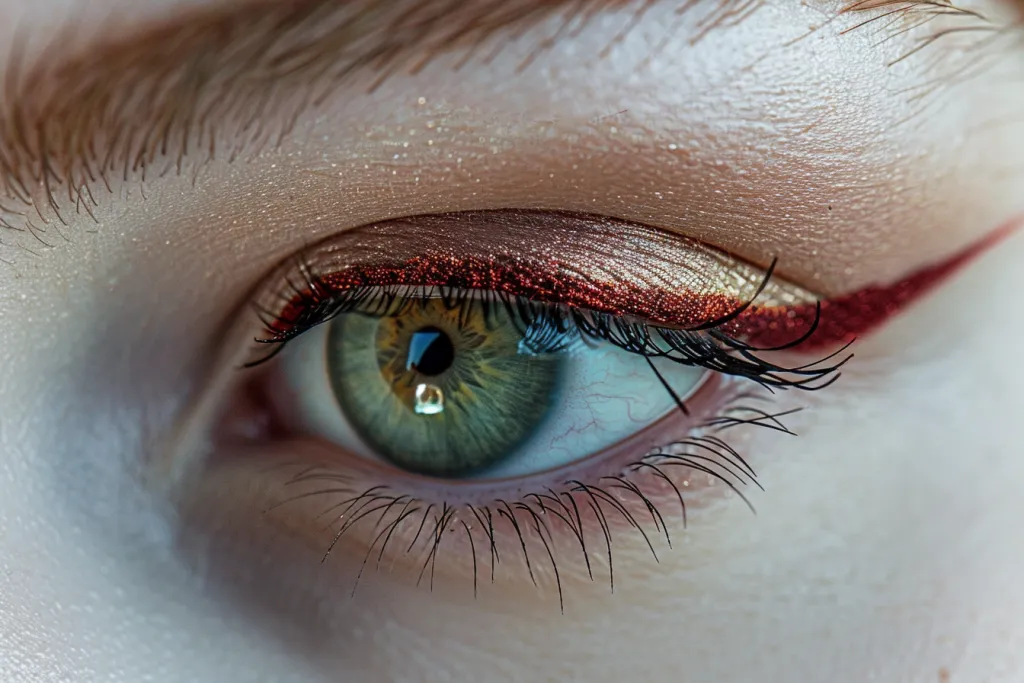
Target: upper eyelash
{"type": "Point", "coordinates": [313, 302]}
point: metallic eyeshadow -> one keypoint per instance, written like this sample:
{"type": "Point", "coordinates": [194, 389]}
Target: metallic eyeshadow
{"type": "Point", "coordinates": [602, 264]}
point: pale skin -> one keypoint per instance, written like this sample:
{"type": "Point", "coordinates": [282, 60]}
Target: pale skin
{"type": "Point", "coordinates": [886, 545]}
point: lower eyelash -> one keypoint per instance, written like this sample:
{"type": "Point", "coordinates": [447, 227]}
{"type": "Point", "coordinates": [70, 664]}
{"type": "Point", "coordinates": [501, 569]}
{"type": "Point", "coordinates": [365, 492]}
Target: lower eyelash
{"type": "Point", "coordinates": [536, 528]}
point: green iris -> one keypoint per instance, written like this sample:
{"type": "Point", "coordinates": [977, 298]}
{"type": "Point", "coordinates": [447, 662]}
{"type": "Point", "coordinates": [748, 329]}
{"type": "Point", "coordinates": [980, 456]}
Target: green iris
{"type": "Point", "coordinates": [440, 391]}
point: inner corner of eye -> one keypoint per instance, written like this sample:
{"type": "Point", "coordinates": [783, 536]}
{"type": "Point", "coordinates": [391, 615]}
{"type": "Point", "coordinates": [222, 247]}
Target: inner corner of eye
{"type": "Point", "coordinates": [463, 387]}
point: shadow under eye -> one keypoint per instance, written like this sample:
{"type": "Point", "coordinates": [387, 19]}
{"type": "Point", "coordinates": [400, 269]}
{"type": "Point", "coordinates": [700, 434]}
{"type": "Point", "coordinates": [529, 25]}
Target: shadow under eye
{"type": "Point", "coordinates": [268, 583]}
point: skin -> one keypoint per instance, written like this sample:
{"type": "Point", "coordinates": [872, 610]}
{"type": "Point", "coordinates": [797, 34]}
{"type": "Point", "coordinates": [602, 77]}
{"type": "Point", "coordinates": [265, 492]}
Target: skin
{"type": "Point", "coordinates": [886, 545]}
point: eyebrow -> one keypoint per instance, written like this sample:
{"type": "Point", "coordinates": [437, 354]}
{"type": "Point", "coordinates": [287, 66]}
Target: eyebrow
{"type": "Point", "coordinates": [117, 106]}
{"type": "Point", "coordinates": [160, 93]}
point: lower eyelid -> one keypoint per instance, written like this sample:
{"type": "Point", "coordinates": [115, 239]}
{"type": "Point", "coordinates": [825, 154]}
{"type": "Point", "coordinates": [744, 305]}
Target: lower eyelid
{"type": "Point", "coordinates": [312, 492]}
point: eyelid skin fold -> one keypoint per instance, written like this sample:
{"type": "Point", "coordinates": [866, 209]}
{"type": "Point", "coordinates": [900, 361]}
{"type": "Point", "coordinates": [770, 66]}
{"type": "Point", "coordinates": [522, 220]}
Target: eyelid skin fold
{"type": "Point", "coordinates": [594, 263]}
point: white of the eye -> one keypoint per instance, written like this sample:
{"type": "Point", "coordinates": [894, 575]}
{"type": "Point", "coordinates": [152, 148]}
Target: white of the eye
{"type": "Point", "coordinates": [607, 395]}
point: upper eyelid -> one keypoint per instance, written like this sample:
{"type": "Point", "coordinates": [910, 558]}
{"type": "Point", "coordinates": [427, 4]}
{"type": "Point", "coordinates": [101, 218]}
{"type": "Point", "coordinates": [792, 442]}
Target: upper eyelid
{"type": "Point", "coordinates": [169, 91]}
{"type": "Point", "coordinates": [607, 253]}
{"type": "Point", "coordinates": [585, 262]}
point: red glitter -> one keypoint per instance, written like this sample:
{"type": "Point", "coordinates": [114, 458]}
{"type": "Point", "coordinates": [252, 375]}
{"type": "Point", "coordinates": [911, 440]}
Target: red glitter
{"type": "Point", "coordinates": [762, 325]}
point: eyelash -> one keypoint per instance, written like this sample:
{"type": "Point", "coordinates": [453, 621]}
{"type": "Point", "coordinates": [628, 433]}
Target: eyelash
{"type": "Point", "coordinates": [311, 300]}
{"type": "Point", "coordinates": [708, 345]}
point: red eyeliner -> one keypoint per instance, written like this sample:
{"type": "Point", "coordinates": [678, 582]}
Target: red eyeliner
{"type": "Point", "coordinates": [856, 314]}
{"type": "Point", "coordinates": [610, 266]}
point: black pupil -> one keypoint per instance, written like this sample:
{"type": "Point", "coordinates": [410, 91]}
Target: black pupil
{"type": "Point", "coordinates": [430, 352]}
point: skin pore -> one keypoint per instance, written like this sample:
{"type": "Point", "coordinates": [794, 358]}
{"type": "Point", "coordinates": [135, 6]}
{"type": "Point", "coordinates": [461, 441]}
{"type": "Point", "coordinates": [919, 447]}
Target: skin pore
{"type": "Point", "coordinates": [885, 544]}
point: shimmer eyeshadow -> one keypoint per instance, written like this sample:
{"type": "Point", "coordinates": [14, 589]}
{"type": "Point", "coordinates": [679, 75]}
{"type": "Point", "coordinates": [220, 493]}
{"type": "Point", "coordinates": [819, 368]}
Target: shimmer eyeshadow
{"type": "Point", "coordinates": [607, 265]}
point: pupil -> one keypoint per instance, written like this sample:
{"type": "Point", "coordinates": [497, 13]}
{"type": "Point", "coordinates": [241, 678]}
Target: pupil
{"type": "Point", "coordinates": [430, 352]}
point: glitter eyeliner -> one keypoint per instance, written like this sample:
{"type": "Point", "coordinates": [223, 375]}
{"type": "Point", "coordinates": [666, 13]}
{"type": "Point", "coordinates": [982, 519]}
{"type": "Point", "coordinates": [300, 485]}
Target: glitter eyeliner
{"type": "Point", "coordinates": [600, 264]}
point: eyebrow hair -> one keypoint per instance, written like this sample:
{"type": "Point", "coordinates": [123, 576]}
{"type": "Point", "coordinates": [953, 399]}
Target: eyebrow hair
{"type": "Point", "coordinates": [117, 106]}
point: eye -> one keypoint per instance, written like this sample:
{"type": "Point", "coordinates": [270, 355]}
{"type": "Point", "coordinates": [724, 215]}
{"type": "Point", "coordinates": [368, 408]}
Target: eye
{"type": "Point", "coordinates": [484, 394]}
{"type": "Point", "coordinates": [466, 386]}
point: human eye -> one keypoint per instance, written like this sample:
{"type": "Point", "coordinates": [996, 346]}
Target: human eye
{"type": "Point", "coordinates": [510, 340]}
{"type": "Point", "coordinates": [450, 396]}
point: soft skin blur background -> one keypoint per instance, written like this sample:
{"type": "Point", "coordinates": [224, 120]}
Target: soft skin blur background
{"type": "Point", "coordinates": [886, 546]}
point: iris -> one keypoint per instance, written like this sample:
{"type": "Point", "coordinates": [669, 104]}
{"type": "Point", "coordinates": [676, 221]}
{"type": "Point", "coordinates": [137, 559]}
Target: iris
{"type": "Point", "coordinates": [439, 390]}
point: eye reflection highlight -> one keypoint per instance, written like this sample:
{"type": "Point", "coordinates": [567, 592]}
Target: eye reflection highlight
{"type": "Point", "coordinates": [429, 399]}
